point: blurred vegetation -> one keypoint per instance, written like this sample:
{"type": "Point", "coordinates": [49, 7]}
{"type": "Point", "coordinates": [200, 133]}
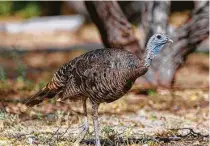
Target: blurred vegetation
{"type": "Point", "coordinates": [151, 92]}
{"type": "Point", "coordinates": [3, 77]}
{"type": "Point", "coordinates": [25, 9]}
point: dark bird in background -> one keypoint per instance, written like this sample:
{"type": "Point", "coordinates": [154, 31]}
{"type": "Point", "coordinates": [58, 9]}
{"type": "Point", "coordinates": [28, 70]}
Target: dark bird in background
{"type": "Point", "coordinates": [102, 75]}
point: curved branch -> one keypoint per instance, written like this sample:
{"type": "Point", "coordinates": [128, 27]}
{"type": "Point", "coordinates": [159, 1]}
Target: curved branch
{"type": "Point", "coordinates": [113, 26]}
{"type": "Point", "coordinates": [186, 38]}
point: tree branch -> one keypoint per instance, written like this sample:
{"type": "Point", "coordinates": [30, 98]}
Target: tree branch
{"type": "Point", "coordinates": [117, 32]}
{"type": "Point", "coordinates": [186, 38]}
{"type": "Point", "coordinates": [113, 26]}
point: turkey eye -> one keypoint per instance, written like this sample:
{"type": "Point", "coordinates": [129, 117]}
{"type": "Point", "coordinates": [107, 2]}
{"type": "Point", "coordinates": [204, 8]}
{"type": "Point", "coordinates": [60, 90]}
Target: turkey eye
{"type": "Point", "coordinates": [159, 36]}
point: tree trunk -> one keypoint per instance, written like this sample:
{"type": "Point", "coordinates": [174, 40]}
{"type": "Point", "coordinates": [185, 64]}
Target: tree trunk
{"type": "Point", "coordinates": [186, 38]}
{"type": "Point", "coordinates": [155, 18]}
{"type": "Point", "coordinates": [117, 32]}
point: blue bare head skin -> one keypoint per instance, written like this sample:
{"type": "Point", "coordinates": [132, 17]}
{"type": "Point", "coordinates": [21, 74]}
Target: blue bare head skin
{"type": "Point", "coordinates": [155, 45]}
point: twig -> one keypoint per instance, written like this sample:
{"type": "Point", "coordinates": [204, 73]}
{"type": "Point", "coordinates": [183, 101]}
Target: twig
{"type": "Point", "coordinates": [191, 133]}
{"type": "Point", "coordinates": [47, 141]}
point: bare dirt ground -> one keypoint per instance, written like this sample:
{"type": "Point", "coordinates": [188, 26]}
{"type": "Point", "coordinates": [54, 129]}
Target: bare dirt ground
{"type": "Point", "coordinates": [142, 117]}
{"type": "Point", "coordinates": [147, 117]}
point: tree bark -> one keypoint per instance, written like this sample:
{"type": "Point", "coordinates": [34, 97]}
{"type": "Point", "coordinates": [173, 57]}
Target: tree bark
{"type": "Point", "coordinates": [155, 17]}
{"type": "Point", "coordinates": [186, 38]}
{"type": "Point", "coordinates": [132, 10]}
{"type": "Point", "coordinates": [115, 30]}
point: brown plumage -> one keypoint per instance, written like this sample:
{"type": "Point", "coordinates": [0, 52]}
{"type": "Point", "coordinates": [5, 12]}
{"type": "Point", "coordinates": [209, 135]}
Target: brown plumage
{"type": "Point", "coordinates": [102, 78]}
{"type": "Point", "coordinates": [102, 75]}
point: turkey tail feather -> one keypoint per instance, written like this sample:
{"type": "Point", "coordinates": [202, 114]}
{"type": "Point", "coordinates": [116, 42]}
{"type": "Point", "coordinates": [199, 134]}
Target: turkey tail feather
{"type": "Point", "coordinates": [40, 96]}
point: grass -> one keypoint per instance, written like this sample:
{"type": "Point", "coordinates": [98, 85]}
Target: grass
{"type": "Point", "coordinates": [142, 118]}
{"type": "Point", "coordinates": [3, 78]}
{"type": "Point", "coordinates": [23, 9]}
{"type": "Point", "coordinates": [41, 130]}
{"type": "Point", "coordinates": [114, 129]}
{"type": "Point", "coordinates": [152, 92]}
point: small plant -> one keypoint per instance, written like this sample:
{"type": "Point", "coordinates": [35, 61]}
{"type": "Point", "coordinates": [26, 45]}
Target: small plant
{"type": "Point", "coordinates": [153, 117]}
{"type": "Point", "coordinates": [3, 78]}
{"type": "Point", "coordinates": [152, 143]}
{"type": "Point", "coordinates": [39, 115]}
{"type": "Point", "coordinates": [107, 130]}
{"type": "Point", "coordinates": [21, 71]}
{"type": "Point", "coordinates": [30, 9]}
{"type": "Point", "coordinates": [25, 9]}
{"type": "Point", "coordinates": [5, 8]}
{"type": "Point", "coordinates": [109, 133]}
{"type": "Point", "coordinates": [152, 92]}
{"type": "Point", "coordinates": [2, 115]}
{"type": "Point", "coordinates": [60, 115]}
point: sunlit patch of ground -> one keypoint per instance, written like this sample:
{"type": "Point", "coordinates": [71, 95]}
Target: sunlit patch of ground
{"type": "Point", "coordinates": [141, 114]}
{"type": "Point", "coordinates": [49, 123]}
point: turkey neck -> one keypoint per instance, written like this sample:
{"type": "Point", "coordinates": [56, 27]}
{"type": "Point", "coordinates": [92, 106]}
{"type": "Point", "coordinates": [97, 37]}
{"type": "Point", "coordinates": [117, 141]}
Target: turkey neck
{"type": "Point", "coordinates": [145, 60]}
{"type": "Point", "coordinates": [148, 56]}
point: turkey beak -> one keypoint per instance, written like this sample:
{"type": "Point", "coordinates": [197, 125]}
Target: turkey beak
{"type": "Point", "coordinates": [170, 40]}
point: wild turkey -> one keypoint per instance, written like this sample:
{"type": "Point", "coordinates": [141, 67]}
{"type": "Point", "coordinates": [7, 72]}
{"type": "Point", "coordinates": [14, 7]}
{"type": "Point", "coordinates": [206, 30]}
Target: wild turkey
{"type": "Point", "coordinates": [102, 75]}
